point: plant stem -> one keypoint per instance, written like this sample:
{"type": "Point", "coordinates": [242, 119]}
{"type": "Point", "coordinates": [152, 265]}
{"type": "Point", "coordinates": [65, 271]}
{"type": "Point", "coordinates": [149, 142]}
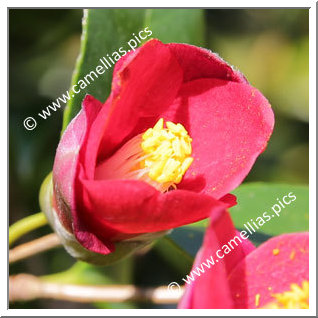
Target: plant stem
{"type": "Point", "coordinates": [26, 225]}
{"type": "Point", "coordinates": [34, 247]}
{"type": "Point", "coordinates": [24, 287]}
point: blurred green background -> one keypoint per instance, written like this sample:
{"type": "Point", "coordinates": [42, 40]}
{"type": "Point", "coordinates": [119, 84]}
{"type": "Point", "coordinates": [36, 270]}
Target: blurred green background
{"type": "Point", "coordinates": [269, 46]}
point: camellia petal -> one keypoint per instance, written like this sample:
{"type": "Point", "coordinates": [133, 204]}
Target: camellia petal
{"type": "Point", "coordinates": [126, 207]}
{"type": "Point", "coordinates": [145, 87]}
{"type": "Point", "coordinates": [65, 169]}
{"type": "Point", "coordinates": [271, 269]}
{"type": "Point", "coordinates": [230, 124]}
{"type": "Point", "coordinates": [275, 275]}
{"type": "Point", "coordinates": [227, 121]}
{"type": "Point", "coordinates": [66, 159]}
{"type": "Point", "coordinates": [212, 288]}
{"type": "Point", "coordinates": [198, 63]}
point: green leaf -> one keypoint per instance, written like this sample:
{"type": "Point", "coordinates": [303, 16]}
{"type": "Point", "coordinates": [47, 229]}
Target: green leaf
{"type": "Point", "coordinates": [180, 246]}
{"type": "Point", "coordinates": [176, 25]}
{"type": "Point", "coordinates": [80, 273]}
{"type": "Point", "coordinates": [107, 30]}
{"type": "Point", "coordinates": [104, 31]}
{"type": "Point", "coordinates": [173, 252]}
{"type": "Point", "coordinates": [83, 273]}
{"type": "Point", "coordinates": [256, 198]}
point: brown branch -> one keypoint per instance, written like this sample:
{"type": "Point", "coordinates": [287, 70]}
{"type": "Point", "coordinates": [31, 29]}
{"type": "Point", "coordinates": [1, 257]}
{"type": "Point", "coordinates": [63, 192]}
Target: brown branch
{"type": "Point", "coordinates": [34, 247]}
{"type": "Point", "coordinates": [25, 287]}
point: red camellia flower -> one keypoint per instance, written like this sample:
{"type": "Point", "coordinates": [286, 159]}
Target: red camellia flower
{"type": "Point", "coordinates": [178, 132]}
{"type": "Point", "coordinates": [275, 275]}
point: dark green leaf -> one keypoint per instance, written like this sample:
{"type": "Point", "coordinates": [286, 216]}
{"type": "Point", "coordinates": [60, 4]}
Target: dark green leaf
{"type": "Point", "coordinates": [104, 31]}
{"type": "Point", "coordinates": [171, 250]}
{"type": "Point", "coordinates": [107, 30]}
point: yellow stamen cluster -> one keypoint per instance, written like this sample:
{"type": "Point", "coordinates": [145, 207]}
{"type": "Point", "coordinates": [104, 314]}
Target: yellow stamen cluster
{"type": "Point", "coordinates": [160, 157]}
{"type": "Point", "coordinates": [296, 298]}
{"type": "Point", "coordinates": [167, 152]}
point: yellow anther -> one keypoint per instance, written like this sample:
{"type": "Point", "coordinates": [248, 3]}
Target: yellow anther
{"type": "Point", "coordinates": [292, 254]}
{"type": "Point", "coordinates": [163, 151]}
{"type": "Point", "coordinates": [257, 299]}
{"type": "Point", "coordinates": [275, 251]}
{"type": "Point", "coordinates": [176, 146]}
{"type": "Point", "coordinates": [149, 142]}
{"type": "Point", "coordinates": [186, 164]}
{"type": "Point", "coordinates": [160, 156]}
{"type": "Point", "coordinates": [296, 298]}
{"type": "Point", "coordinates": [172, 127]}
{"type": "Point", "coordinates": [147, 134]}
{"type": "Point", "coordinates": [170, 170]}
{"type": "Point", "coordinates": [159, 125]}
{"type": "Point", "coordinates": [167, 152]}
{"type": "Point", "coordinates": [186, 146]}
{"type": "Point", "coordinates": [156, 168]}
